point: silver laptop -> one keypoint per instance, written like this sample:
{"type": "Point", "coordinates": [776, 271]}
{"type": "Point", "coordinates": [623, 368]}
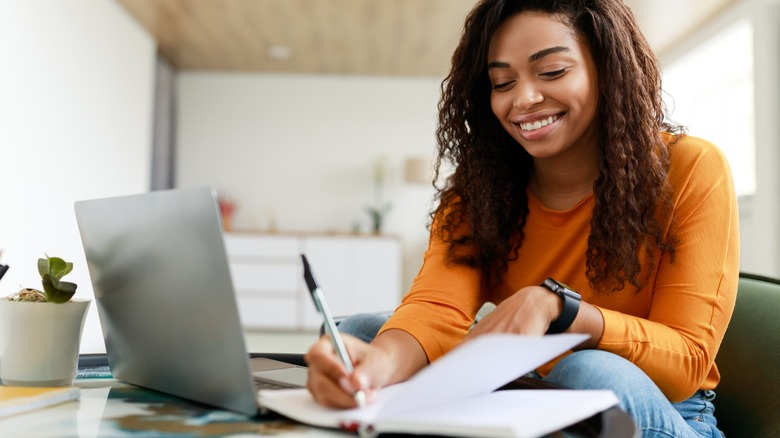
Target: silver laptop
{"type": "Point", "coordinates": [166, 301]}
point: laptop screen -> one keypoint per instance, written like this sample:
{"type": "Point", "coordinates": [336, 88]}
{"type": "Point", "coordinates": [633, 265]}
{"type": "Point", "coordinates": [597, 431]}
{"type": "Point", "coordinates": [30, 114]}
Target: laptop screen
{"type": "Point", "coordinates": [164, 295]}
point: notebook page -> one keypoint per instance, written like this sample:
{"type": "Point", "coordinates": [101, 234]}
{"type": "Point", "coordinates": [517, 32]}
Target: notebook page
{"type": "Point", "coordinates": [478, 367]}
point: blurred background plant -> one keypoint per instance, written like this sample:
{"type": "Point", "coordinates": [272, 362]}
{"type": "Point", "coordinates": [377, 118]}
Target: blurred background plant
{"type": "Point", "coordinates": [379, 209]}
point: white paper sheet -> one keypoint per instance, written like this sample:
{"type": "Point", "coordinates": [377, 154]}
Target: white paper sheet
{"type": "Point", "coordinates": [478, 366]}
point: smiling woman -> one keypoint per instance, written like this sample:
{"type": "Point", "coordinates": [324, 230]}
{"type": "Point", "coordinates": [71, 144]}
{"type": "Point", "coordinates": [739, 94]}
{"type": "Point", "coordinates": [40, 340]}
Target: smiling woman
{"type": "Point", "coordinates": [575, 208]}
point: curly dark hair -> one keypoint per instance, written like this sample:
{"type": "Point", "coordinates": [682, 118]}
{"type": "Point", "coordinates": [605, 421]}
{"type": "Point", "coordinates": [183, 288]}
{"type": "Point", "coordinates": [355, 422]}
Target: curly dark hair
{"type": "Point", "coordinates": [482, 207]}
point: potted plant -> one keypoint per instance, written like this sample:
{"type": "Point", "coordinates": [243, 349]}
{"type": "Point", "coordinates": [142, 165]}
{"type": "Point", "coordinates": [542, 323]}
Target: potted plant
{"type": "Point", "coordinates": [40, 331]}
{"type": "Point", "coordinates": [379, 209]}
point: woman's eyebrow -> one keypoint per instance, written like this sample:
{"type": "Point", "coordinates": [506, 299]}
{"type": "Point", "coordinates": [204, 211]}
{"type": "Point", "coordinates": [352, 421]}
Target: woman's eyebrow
{"type": "Point", "coordinates": [546, 52]}
{"type": "Point", "coordinates": [533, 58]}
{"type": "Point", "coordinates": [497, 64]}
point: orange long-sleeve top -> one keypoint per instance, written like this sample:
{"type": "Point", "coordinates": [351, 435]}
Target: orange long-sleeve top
{"type": "Point", "coordinates": [671, 328]}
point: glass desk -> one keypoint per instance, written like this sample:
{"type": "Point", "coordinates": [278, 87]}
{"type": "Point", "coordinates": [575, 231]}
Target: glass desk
{"type": "Point", "coordinates": [109, 408]}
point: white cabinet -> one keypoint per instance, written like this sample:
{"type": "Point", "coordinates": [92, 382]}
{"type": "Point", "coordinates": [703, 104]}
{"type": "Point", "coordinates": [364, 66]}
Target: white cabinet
{"type": "Point", "coordinates": [356, 274]}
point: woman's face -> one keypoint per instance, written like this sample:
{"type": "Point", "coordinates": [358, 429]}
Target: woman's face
{"type": "Point", "coordinates": [544, 85]}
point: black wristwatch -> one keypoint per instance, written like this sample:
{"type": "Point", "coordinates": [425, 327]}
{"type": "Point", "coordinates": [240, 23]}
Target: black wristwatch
{"type": "Point", "coordinates": [571, 305]}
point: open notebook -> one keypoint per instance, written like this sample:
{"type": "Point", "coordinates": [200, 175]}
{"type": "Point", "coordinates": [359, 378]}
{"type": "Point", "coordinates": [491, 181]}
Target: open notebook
{"type": "Point", "coordinates": [456, 395]}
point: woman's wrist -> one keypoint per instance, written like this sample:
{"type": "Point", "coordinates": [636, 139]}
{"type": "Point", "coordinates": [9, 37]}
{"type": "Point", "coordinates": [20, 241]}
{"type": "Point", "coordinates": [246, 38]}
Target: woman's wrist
{"type": "Point", "coordinates": [404, 356]}
{"type": "Point", "coordinates": [589, 320]}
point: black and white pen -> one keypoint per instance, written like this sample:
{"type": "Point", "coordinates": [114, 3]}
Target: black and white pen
{"type": "Point", "coordinates": [330, 326]}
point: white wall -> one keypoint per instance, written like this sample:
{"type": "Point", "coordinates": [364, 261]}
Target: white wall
{"type": "Point", "coordinates": [75, 116]}
{"type": "Point", "coordinates": [297, 153]}
{"type": "Point", "coordinates": [760, 216]}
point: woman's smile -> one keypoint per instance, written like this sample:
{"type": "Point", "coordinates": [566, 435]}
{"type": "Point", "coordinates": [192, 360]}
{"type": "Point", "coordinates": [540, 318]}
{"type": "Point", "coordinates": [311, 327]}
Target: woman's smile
{"type": "Point", "coordinates": [538, 124]}
{"type": "Point", "coordinates": [534, 128]}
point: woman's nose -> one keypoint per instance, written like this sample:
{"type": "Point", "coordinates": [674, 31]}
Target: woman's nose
{"type": "Point", "coordinates": [527, 95]}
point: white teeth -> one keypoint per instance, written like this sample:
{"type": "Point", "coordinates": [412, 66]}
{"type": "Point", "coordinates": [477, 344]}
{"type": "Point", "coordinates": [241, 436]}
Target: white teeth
{"type": "Point", "coordinates": [533, 126]}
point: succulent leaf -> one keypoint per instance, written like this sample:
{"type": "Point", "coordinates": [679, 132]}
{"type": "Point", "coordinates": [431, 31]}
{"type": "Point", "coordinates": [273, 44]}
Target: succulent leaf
{"type": "Point", "coordinates": [58, 267]}
{"type": "Point", "coordinates": [43, 266]}
{"type": "Point", "coordinates": [58, 291]}
{"type": "Point", "coordinates": [52, 269]}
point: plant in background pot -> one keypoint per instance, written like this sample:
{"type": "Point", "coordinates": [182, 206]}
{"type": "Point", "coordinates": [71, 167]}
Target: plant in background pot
{"type": "Point", "coordinates": [40, 331]}
{"type": "Point", "coordinates": [378, 211]}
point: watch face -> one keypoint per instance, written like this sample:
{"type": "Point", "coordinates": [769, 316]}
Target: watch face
{"type": "Point", "coordinates": [551, 284]}
{"type": "Point", "coordinates": [561, 288]}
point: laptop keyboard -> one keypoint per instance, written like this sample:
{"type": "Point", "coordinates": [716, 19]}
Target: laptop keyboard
{"type": "Point", "coordinates": [266, 385]}
{"type": "Point", "coordinates": [279, 378]}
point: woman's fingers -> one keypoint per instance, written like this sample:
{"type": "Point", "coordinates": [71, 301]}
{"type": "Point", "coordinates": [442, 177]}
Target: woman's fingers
{"type": "Point", "coordinates": [329, 382]}
{"type": "Point", "coordinates": [328, 392]}
{"type": "Point", "coordinates": [529, 311]}
{"type": "Point", "coordinates": [322, 356]}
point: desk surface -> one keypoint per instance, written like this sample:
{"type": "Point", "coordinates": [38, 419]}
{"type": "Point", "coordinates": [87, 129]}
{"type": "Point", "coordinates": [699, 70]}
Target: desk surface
{"type": "Point", "coordinates": [110, 408]}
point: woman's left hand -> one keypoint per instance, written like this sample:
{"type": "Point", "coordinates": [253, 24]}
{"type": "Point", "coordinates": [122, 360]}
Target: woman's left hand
{"type": "Point", "coordinates": [528, 312]}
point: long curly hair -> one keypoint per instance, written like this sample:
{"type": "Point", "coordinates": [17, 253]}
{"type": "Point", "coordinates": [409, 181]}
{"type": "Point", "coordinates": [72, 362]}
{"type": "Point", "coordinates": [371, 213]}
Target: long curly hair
{"type": "Point", "coordinates": [482, 207]}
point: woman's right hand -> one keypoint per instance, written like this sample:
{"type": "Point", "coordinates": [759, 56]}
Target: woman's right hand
{"type": "Point", "coordinates": [393, 356]}
{"type": "Point", "coordinates": [329, 382]}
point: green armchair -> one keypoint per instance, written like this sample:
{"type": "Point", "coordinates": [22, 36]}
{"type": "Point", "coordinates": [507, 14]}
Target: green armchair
{"type": "Point", "coordinates": [748, 396]}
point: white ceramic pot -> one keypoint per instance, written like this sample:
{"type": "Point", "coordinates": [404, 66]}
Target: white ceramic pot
{"type": "Point", "coordinates": [39, 342]}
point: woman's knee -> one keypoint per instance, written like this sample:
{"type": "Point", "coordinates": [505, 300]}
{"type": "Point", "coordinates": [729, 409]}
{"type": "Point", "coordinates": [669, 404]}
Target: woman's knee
{"type": "Point", "coordinates": [597, 369]}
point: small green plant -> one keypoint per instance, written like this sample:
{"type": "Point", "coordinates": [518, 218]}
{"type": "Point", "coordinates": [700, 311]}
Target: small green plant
{"type": "Point", "coordinates": [377, 215]}
{"type": "Point", "coordinates": [52, 269]}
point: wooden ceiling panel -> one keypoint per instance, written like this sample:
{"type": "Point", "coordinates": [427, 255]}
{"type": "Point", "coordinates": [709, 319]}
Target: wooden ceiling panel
{"type": "Point", "coordinates": [371, 37]}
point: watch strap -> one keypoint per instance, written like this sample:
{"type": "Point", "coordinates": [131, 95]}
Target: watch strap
{"type": "Point", "coordinates": [571, 307]}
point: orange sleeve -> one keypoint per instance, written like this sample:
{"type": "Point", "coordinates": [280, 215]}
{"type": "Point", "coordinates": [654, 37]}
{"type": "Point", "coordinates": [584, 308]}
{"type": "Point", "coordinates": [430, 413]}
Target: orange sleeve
{"type": "Point", "coordinates": [693, 296]}
{"type": "Point", "coordinates": [442, 303]}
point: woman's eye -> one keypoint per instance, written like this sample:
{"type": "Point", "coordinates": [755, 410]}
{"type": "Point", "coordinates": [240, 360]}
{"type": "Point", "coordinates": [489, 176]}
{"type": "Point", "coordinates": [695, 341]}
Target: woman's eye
{"type": "Point", "coordinates": [502, 85]}
{"type": "Point", "coordinates": [553, 74]}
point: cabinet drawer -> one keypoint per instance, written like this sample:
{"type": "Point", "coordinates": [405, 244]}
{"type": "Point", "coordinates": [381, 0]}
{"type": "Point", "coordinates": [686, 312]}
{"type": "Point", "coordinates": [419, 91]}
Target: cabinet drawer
{"type": "Point", "coordinates": [267, 247]}
{"type": "Point", "coordinates": [265, 277]}
{"type": "Point", "coordinates": [265, 312]}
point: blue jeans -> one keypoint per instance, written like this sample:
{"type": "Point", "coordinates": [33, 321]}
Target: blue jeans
{"type": "Point", "coordinates": [654, 415]}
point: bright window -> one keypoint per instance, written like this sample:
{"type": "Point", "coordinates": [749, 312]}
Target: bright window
{"type": "Point", "coordinates": [710, 90]}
